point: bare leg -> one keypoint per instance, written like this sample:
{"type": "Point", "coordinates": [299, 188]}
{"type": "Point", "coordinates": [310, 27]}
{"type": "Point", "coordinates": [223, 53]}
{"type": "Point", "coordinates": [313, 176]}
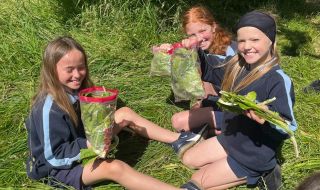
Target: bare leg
{"type": "Point", "coordinates": [210, 151]}
{"type": "Point", "coordinates": [191, 119]}
{"type": "Point", "coordinates": [217, 175]}
{"type": "Point", "coordinates": [214, 172]}
{"type": "Point", "coordinates": [121, 173]}
{"type": "Point", "coordinates": [126, 117]}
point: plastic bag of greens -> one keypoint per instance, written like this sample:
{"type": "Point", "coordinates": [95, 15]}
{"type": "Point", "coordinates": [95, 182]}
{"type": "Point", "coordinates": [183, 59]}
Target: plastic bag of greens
{"type": "Point", "coordinates": [97, 112]}
{"type": "Point", "coordinates": [160, 64]}
{"type": "Point", "coordinates": [185, 76]}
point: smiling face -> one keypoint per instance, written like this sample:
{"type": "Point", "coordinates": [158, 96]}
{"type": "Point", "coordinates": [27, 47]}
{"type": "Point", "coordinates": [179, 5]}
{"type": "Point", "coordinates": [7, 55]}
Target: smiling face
{"type": "Point", "coordinates": [253, 45]}
{"type": "Point", "coordinates": [71, 70]}
{"type": "Point", "coordinates": [202, 31]}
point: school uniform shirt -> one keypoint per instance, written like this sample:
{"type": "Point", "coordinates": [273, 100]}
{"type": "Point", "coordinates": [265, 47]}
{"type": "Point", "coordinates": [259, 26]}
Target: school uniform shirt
{"type": "Point", "coordinates": [211, 65]}
{"type": "Point", "coordinates": [53, 141]}
{"type": "Point", "coordinates": [251, 144]}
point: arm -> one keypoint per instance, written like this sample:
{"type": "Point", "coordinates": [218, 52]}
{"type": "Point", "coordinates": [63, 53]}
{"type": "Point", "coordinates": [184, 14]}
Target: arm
{"type": "Point", "coordinates": [284, 92]}
{"type": "Point", "coordinates": [280, 87]}
{"type": "Point", "coordinates": [61, 146]}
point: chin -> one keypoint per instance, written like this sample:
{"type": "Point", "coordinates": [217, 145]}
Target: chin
{"type": "Point", "coordinates": [204, 47]}
{"type": "Point", "coordinates": [74, 87]}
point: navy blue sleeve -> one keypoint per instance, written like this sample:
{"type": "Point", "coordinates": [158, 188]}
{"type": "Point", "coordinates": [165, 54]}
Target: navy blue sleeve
{"type": "Point", "coordinates": [61, 148]}
{"type": "Point", "coordinates": [212, 68]}
{"type": "Point", "coordinates": [282, 90]}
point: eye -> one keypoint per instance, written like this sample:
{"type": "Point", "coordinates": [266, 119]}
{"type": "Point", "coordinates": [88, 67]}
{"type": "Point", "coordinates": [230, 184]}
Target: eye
{"type": "Point", "coordinates": [191, 35]}
{"type": "Point", "coordinates": [82, 68]}
{"type": "Point", "coordinates": [69, 70]}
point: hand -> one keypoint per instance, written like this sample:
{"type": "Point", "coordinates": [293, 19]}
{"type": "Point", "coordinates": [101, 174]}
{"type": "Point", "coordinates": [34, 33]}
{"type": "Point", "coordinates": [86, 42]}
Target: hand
{"type": "Point", "coordinates": [252, 115]}
{"type": "Point", "coordinates": [162, 48]}
{"type": "Point", "coordinates": [191, 42]}
{"type": "Point", "coordinates": [197, 105]}
{"type": "Point", "coordinates": [89, 144]}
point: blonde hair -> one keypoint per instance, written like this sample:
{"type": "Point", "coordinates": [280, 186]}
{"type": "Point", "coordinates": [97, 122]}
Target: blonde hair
{"type": "Point", "coordinates": [221, 38]}
{"type": "Point", "coordinates": [234, 67]}
{"type": "Point", "coordinates": [49, 81]}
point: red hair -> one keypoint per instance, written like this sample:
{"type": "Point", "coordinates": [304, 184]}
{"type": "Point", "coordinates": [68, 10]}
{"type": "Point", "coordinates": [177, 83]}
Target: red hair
{"type": "Point", "coordinates": [221, 38]}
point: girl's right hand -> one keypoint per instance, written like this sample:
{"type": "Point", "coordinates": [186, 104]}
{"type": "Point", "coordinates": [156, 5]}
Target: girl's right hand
{"type": "Point", "coordinates": [191, 42]}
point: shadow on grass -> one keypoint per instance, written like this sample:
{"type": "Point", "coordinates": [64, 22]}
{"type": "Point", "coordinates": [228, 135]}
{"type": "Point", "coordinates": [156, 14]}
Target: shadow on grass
{"type": "Point", "coordinates": [297, 40]}
{"type": "Point", "coordinates": [131, 146]}
{"type": "Point", "coordinates": [185, 105]}
{"type": "Point", "coordinates": [69, 9]}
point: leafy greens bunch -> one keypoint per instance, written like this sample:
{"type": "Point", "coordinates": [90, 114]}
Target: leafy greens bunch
{"type": "Point", "coordinates": [237, 104]}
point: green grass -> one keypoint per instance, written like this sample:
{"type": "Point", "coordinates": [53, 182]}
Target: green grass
{"type": "Point", "coordinates": [117, 36]}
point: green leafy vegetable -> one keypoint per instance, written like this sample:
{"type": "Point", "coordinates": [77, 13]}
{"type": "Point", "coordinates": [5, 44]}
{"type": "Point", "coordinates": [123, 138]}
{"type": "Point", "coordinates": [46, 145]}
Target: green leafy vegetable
{"type": "Point", "coordinates": [237, 103]}
{"type": "Point", "coordinates": [161, 64]}
{"type": "Point", "coordinates": [98, 119]}
{"type": "Point", "coordinates": [101, 94]}
{"type": "Point", "coordinates": [186, 81]}
{"type": "Point", "coordinates": [87, 156]}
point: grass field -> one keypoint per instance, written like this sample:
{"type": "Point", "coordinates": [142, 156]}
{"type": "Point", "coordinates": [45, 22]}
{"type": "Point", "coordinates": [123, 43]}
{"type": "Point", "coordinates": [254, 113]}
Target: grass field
{"type": "Point", "coordinates": [117, 36]}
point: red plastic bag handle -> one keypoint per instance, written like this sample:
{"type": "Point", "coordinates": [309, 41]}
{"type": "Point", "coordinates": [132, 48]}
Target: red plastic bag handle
{"type": "Point", "coordinates": [113, 96]}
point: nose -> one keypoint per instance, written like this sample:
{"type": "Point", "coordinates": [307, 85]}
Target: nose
{"type": "Point", "coordinates": [247, 45]}
{"type": "Point", "coordinates": [76, 73]}
{"type": "Point", "coordinates": [199, 37]}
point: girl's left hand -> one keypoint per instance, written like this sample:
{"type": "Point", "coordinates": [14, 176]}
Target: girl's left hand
{"type": "Point", "coordinates": [89, 144]}
{"type": "Point", "coordinates": [197, 105]}
{"type": "Point", "coordinates": [252, 115]}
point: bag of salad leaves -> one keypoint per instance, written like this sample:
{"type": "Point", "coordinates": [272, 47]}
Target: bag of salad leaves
{"type": "Point", "coordinates": [160, 64]}
{"type": "Point", "coordinates": [161, 61]}
{"type": "Point", "coordinates": [97, 112]}
{"type": "Point", "coordinates": [185, 76]}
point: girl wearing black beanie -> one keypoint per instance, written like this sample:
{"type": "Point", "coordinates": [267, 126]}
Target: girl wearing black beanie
{"type": "Point", "coordinates": [246, 148]}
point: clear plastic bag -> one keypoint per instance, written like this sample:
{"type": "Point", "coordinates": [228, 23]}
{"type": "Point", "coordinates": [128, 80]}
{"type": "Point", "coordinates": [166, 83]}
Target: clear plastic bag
{"type": "Point", "coordinates": [185, 76]}
{"type": "Point", "coordinates": [97, 112]}
{"type": "Point", "coordinates": [160, 64]}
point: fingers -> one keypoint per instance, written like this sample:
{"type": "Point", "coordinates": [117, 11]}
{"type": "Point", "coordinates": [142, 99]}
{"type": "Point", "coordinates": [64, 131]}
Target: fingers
{"type": "Point", "coordinates": [190, 42]}
{"type": "Point", "coordinates": [88, 144]}
{"type": "Point", "coordinates": [163, 47]}
{"type": "Point", "coordinates": [196, 105]}
{"type": "Point", "coordinates": [252, 115]}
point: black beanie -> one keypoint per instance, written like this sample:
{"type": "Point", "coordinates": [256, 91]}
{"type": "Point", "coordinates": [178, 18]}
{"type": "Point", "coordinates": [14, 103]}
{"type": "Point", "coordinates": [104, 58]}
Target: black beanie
{"type": "Point", "coordinates": [260, 20]}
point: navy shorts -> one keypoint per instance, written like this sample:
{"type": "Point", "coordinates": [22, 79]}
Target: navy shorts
{"type": "Point", "coordinates": [241, 171]}
{"type": "Point", "coordinates": [71, 177]}
{"type": "Point", "coordinates": [219, 119]}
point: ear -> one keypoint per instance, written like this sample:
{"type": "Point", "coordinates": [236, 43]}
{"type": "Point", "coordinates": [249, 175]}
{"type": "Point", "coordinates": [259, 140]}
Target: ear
{"type": "Point", "coordinates": [214, 26]}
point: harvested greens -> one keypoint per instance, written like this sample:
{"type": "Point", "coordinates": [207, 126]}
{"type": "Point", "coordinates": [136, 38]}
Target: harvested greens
{"type": "Point", "coordinates": [160, 64]}
{"type": "Point", "coordinates": [186, 81]}
{"type": "Point", "coordinates": [97, 112]}
{"type": "Point", "coordinates": [237, 104]}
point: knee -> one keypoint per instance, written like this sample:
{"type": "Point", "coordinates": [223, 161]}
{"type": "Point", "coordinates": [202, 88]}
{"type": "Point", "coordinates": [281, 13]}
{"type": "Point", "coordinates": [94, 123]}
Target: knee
{"type": "Point", "coordinates": [177, 121]}
{"type": "Point", "coordinates": [122, 114]}
{"type": "Point", "coordinates": [115, 169]}
{"type": "Point", "coordinates": [188, 160]}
